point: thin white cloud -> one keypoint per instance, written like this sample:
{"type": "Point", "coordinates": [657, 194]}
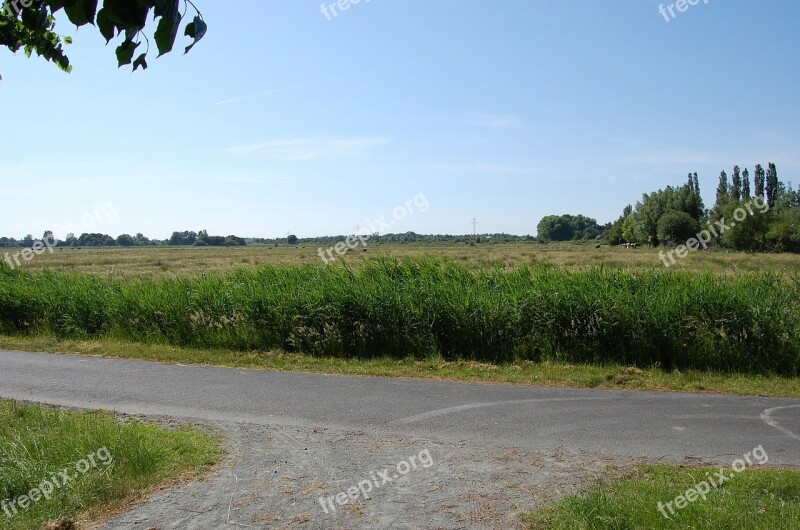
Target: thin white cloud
{"type": "Point", "coordinates": [771, 135]}
{"type": "Point", "coordinates": [495, 121]}
{"type": "Point", "coordinates": [267, 93]}
{"type": "Point", "coordinates": [249, 179]}
{"type": "Point", "coordinates": [55, 168]}
{"type": "Point", "coordinates": [689, 157]}
{"type": "Point", "coordinates": [297, 87]}
{"type": "Point", "coordinates": [314, 148]}
{"type": "Point", "coordinates": [664, 157]}
{"type": "Point", "coordinates": [489, 169]}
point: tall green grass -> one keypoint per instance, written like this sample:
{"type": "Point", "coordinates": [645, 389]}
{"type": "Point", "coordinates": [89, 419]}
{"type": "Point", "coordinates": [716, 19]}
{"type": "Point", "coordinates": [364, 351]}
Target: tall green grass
{"type": "Point", "coordinates": [428, 307]}
{"type": "Point", "coordinates": [38, 443]}
{"type": "Point", "coordinates": [755, 499]}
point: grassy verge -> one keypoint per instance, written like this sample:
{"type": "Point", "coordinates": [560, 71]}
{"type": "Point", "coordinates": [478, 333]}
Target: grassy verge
{"type": "Point", "coordinates": [526, 373]}
{"type": "Point", "coordinates": [108, 463]}
{"type": "Point", "coordinates": [753, 499]}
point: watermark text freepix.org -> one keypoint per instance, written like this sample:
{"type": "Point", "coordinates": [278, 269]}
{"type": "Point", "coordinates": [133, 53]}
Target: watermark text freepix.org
{"type": "Point", "coordinates": [681, 6]}
{"type": "Point", "coordinates": [98, 215]}
{"type": "Point", "coordinates": [14, 7]}
{"type": "Point", "coordinates": [47, 487]}
{"type": "Point", "coordinates": [715, 229]}
{"type": "Point", "coordinates": [107, 211]}
{"type": "Point", "coordinates": [713, 481]}
{"type": "Point", "coordinates": [374, 226]}
{"type": "Point", "coordinates": [387, 476]}
{"type": "Point", "coordinates": [38, 248]}
{"type": "Point", "coordinates": [341, 5]}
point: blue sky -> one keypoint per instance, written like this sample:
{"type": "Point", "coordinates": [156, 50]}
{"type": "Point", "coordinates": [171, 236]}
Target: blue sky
{"type": "Point", "coordinates": [505, 111]}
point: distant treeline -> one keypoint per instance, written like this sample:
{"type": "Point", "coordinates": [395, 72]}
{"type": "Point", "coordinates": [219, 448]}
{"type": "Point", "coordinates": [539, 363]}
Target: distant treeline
{"type": "Point", "coordinates": [665, 217]}
{"type": "Point", "coordinates": [199, 239]}
{"type": "Point", "coordinates": [761, 217]}
{"type": "Point", "coordinates": [202, 239]}
{"type": "Point", "coordinates": [407, 237]}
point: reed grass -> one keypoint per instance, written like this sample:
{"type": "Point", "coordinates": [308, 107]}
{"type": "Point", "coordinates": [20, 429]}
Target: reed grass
{"type": "Point", "coordinates": [420, 308]}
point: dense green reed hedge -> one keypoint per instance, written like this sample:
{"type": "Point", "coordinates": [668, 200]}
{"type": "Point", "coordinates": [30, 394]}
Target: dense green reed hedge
{"type": "Point", "coordinates": [744, 323]}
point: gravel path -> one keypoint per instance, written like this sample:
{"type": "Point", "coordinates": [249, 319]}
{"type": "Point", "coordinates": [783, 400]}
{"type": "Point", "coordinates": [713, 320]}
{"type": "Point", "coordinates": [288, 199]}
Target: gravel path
{"type": "Point", "coordinates": [274, 476]}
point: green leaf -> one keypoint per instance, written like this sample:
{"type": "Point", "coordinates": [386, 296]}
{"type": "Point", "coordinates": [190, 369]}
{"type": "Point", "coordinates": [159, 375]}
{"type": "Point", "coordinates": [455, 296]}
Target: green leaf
{"type": "Point", "coordinates": [55, 5]}
{"type": "Point", "coordinates": [165, 34]}
{"type": "Point", "coordinates": [63, 63]}
{"type": "Point", "coordinates": [105, 25]}
{"type": "Point", "coordinates": [196, 30]}
{"type": "Point", "coordinates": [140, 61]}
{"type": "Point", "coordinates": [35, 18]}
{"type": "Point", "coordinates": [165, 8]}
{"type": "Point", "coordinates": [82, 12]}
{"type": "Point", "coordinates": [127, 13]}
{"type": "Point", "coordinates": [68, 39]}
{"type": "Point", "coordinates": [125, 52]}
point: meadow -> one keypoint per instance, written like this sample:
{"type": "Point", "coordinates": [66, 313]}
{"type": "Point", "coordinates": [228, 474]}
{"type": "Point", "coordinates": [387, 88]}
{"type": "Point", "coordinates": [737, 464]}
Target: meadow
{"type": "Point", "coordinates": [735, 313]}
{"type": "Point", "coordinates": [161, 261]}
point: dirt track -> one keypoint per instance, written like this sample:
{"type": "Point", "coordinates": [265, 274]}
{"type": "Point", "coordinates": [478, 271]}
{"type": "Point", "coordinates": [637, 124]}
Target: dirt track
{"type": "Point", "coordinates": [273, 477]}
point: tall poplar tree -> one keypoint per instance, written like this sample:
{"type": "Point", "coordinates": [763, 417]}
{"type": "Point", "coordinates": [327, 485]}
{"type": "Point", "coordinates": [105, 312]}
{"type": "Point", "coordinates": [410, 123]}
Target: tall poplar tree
{"type": "Point", "coordinates": [772, 184]}
{"type": "Point", "coordinates": [759, 179]}
{"type": "Point", "coordinates": [736, 187]}
{"type": "Point", "coordinates": [722, 189]}
{"type": "Point", "coordinates": [745, 184]}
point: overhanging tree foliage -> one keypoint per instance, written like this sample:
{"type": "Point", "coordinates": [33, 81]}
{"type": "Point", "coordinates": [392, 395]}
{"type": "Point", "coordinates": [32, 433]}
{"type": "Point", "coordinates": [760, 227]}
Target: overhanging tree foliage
{"type": "Point", "coordinates": [30, 25]}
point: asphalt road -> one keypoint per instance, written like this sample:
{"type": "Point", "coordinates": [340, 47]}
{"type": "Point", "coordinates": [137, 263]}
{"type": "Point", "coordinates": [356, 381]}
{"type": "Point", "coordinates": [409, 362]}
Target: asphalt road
{"type": "Point", "coordinates": [660, 426]}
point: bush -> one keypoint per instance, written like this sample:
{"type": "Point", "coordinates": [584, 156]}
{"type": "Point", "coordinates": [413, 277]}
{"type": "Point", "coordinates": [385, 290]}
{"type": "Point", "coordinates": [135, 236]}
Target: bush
{"type": "Point", "coordinates": [676, 226]}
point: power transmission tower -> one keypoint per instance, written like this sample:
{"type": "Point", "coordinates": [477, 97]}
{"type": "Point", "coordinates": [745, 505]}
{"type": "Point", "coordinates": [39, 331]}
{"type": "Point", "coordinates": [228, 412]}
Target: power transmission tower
{"type": "Point", "coordinates": [474, 227]}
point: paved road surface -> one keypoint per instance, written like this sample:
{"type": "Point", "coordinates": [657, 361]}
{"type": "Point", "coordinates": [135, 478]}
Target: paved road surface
{"type": "Point", "coordinates": [659, 425]}
{"type": "Point", "coordinates": [359, 422]}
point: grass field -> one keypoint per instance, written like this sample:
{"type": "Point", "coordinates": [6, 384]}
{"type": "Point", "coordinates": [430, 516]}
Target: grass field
{"type": "Point", "coordinates": [754, 499]}
{"type": "Point", "coordinates": [539, 307]}
{"type": "Point", "coordinates": [159, 261]}
{"type": "Point", "coordinates": [61, 467]}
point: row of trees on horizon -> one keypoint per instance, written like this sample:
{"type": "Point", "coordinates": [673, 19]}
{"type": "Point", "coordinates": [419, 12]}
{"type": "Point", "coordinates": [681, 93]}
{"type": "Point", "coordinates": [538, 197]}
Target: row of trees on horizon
{"type": "Point", "coordinates": [676, 214]}
{"type": "Point", "coordinates": [202, 239]}
{"type": "Point", "coordinates": [671, 215]}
